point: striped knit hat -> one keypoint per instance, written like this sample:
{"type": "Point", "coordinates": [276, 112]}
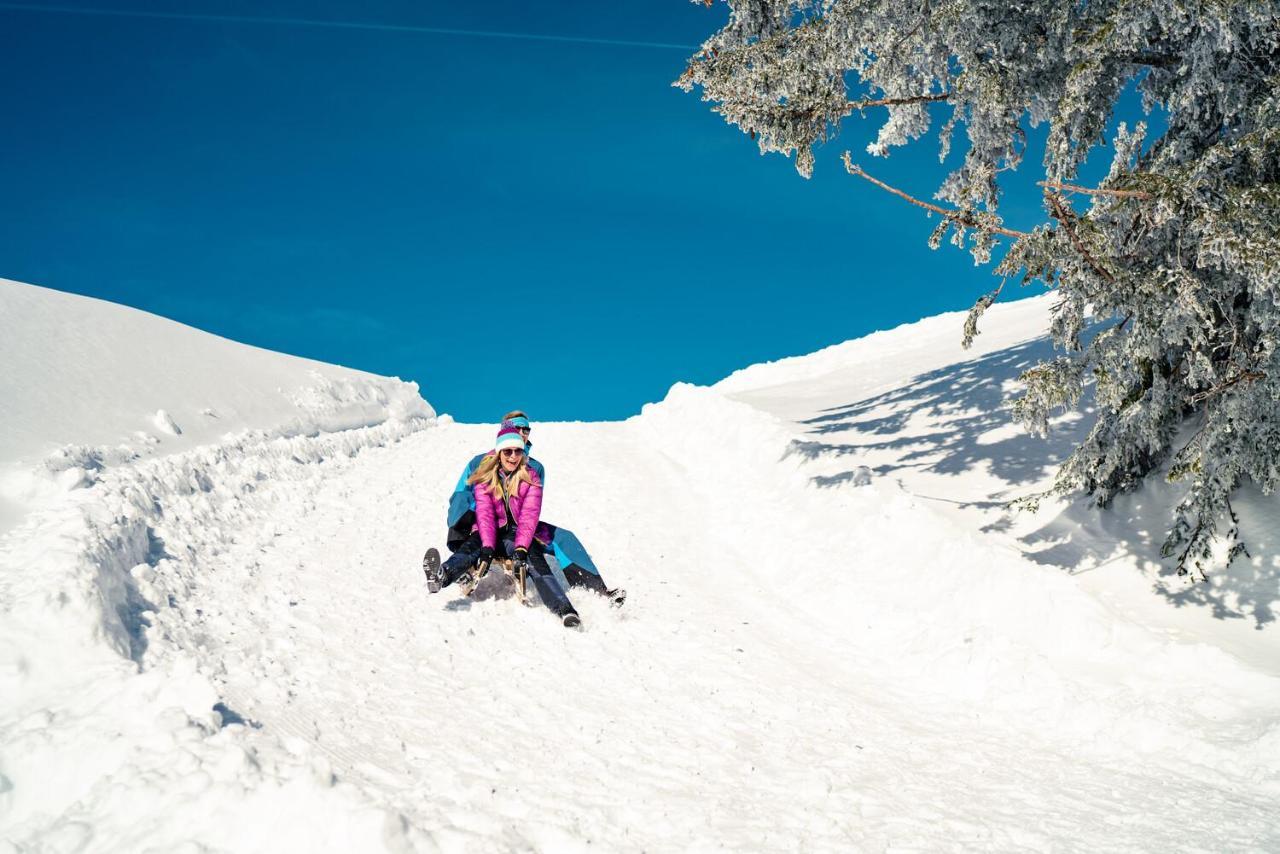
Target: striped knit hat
{"type": "Point", "coordinates": [509, 437]}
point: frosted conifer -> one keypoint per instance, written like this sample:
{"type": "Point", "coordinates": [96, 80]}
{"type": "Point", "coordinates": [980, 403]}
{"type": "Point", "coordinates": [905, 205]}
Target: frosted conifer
{"type": "Point", "coordinates": [1178, 254]}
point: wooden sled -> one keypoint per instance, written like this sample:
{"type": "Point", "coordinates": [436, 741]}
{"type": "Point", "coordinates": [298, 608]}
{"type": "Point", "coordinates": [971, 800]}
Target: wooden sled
{"type": "Point", "coordinates": [517, 576]}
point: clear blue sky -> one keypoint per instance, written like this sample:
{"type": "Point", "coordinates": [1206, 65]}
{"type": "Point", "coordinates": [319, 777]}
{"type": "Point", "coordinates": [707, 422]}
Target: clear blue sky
{"type": "Point", "coordinates": [508, 222]}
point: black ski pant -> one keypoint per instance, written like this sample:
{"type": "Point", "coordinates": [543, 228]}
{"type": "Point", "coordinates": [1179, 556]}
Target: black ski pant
{"type": "Point", "coordinates": [547, 585]}
{"type": "Point", "coordinates": [576, 575]}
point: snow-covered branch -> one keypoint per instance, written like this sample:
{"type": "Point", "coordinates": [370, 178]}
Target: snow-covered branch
{"type": "Point", "coordinates": [969, 219]}
{"type": "Point", "coordinates": [1064, 218]}
{"type": "Point", "coordinates": [899, 102]}
{"type": "Point", "coordinates": [1094, 191]}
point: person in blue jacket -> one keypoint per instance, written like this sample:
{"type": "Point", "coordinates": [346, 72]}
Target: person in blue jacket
{"type": "Point", "coordinates": [564, 547]}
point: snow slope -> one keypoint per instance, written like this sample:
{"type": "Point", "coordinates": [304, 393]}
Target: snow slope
{"type": "Point", "coordinates": [229, 647]}
{"type": "Point", "coordinates": [86, 383]}
{"type": "Point", "coordinates": [912, 407]}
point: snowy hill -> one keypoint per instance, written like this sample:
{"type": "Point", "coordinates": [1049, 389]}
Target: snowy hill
{"type": "Point", "coordinates": [88, 382]}
{"type": "Point", "coordinates": [912, 407]}
{"type": "Point", "coordinates": [226, 644]}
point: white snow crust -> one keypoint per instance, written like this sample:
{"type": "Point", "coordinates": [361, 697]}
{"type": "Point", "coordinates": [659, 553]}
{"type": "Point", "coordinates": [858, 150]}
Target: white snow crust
{"type": "Point", "coordinates": [836, 638]}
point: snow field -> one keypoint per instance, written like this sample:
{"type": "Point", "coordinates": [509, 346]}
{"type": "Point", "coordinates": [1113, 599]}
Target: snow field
{"type": "Point", "coordinates": [748, 674]}
{"type": "Point", "coordinates": [230, 647]}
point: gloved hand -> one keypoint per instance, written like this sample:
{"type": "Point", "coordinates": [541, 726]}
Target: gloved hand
{"type": "Point", "coordinates": [521, 555]}
{"type": "Point", "coordinates": [486, 555]}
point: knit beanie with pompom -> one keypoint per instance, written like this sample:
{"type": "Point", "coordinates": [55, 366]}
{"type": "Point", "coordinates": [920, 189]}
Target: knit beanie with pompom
{"type": "Point", "coordinates": [509, 437]}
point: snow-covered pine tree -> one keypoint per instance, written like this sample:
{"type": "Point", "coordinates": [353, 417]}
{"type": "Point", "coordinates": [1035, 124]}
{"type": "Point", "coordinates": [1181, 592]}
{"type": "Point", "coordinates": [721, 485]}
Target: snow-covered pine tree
{"type": "Point", "coordinates": [1178, 253]}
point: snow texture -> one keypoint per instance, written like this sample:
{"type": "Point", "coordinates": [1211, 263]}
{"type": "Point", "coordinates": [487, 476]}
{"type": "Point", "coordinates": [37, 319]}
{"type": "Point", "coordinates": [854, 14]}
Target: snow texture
{"type": "Point", "coordinates": [226, 644]}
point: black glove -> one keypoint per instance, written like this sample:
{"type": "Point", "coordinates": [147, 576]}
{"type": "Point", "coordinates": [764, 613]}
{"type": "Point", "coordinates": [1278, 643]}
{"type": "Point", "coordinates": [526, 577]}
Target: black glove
{"type": "Point", "coordinates": [486, 555]}
{"type": "Point", "coordinates": [521, 555]}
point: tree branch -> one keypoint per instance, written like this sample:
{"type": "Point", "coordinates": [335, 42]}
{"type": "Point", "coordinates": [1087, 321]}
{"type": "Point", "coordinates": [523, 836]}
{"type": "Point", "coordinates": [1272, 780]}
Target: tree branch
{"type": "Point", "coordinates": [962, 217]}
{"type": "Point", "coordinates": [1155, 60]}
{"type": "Point", "coordinates": [1245, 376]}
{"type": "Point", "coordinates": [1060, 214]}
{"type": "Point", "coordinates": [896, 102]}
{"type": "Point", "coordinates": [1095, 191]}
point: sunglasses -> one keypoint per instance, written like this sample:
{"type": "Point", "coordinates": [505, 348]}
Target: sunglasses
{"type": "Point", "coordinates": [511, 452]}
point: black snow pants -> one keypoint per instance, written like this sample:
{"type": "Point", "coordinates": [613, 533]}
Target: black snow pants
{"type": "Point", "coordinates": [547, 585]}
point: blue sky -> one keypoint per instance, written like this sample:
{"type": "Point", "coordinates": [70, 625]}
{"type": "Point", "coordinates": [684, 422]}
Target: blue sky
{"type": "Point", "coordinates": [508, 222]}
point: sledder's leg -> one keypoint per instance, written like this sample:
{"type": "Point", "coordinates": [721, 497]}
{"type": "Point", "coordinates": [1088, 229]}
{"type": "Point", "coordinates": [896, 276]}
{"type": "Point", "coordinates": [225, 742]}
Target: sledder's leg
{"type": "Point", "coordinates": [578, 568]}
{"type": "Point", "coordinates": [462, 560]}
{"type": "Point", "coordinates": [549, 589]}
{"type": "Point", "coordinates": [578, 577]}
{"type": "Point", "coordinates": [569, 551]}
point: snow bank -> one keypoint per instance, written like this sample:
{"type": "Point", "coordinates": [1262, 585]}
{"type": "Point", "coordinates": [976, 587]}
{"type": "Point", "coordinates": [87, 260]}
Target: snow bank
{"type": "Point", "coordinates": [88, 384]}
{"type": "Point", "coordinates": [102, 752]}
{"type": "Point", "coordinates": [113, 419]}
{"type": "Point", "coordinates": [911, 407]}
{"type": "Point", "coordinates": [965, 618]}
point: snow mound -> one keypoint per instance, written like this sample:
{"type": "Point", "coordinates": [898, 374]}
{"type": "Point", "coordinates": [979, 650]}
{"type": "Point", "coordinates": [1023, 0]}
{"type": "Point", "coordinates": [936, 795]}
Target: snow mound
{"type": "Point", "coordinates": [88, 384]}
{"type": "Point", "coordinates": [81, 371]}
{"type": "Point", "coordinates": [165, 423]}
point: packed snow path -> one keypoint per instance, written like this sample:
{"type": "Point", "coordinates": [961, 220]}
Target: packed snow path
{"type": "Point", "coordinates": [796, 668]}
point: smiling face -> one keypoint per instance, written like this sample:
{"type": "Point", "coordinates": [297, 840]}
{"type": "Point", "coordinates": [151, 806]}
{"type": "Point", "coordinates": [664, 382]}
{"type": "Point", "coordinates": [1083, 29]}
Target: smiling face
{"type": "Point", "coordinates": [510, 458]}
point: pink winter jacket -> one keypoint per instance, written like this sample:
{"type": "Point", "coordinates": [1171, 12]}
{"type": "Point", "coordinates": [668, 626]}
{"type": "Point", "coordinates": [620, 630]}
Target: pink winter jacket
{"type": "Point", "coordinates": [491, 512]}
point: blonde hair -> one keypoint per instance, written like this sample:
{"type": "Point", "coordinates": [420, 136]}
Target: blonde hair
{"type": "Point", "coordinates": [515, 413]}
{"type": "Point", "coordinates": [489, 472]}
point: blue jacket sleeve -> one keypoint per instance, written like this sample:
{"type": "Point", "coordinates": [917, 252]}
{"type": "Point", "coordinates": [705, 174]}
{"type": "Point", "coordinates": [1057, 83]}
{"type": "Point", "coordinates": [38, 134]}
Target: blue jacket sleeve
{"type": "Point", "coordinates": [462, 500]}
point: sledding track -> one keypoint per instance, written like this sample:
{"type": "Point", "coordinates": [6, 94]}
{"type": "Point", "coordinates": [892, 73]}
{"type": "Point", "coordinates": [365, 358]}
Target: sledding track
{"type": "Point", "coordinates": [756, 692]}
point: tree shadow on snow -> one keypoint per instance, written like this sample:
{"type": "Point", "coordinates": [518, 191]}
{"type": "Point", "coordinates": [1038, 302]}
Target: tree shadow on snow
{"type": "Point", "coordinates": [955, 420]}
{"type": "Point", "coordinates": [1136, 525]}
{"type": "Point", "coordinates": [949, 422]}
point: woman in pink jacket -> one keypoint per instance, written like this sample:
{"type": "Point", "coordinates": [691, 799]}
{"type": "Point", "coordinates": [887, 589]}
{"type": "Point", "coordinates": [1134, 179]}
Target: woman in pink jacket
{"type": "Point", "coordinates": [508, 498]}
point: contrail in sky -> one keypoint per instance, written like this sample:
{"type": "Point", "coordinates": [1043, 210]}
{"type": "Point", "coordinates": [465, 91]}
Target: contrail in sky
{"type": "Point", "coordinates": [339, 25]}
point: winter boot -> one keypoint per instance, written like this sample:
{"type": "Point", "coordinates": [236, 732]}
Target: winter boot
{"type": "Point", "coordinates": [571, 620]}
{"type": "Point", "coordinates": [617, 597]}
{"type": "Point", "coordinates": [432, 569]}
